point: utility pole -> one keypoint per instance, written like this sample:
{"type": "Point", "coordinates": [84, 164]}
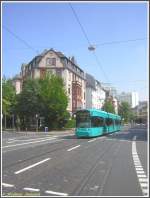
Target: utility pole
{"type": "Point", "coordinates": [36, 122]}
{"type": "Point", "coordinates": [5, 121]}
{"type": "Point", "coordinates": [13, 121]}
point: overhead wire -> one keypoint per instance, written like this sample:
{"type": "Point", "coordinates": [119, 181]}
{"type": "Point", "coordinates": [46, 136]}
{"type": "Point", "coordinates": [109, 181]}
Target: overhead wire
{"type": "Point", "coordinates": [118, 42]}
{"type": "Point", "coordinates": [100, 44]}
{"type": "Point", "coordinates": [85, 34]}
{"type": "Point", "coordinates": [20, 39]}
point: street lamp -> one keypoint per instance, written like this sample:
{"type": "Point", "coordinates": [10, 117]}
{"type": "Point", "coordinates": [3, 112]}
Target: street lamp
{"type": "Point", "coordinates": [91, 48]}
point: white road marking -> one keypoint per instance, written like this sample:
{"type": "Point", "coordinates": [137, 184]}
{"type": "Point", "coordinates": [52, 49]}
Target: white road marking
{"type": "Point", "coordinates": [137, 164]}
{"type": "Point", "coordinates": [55, 193]}
{"type": "Point", "coordinates": [139, 169]}
{"type": "Point", "coordinates": [143, 184]}
{"type": "Point", "coordinates": [140, 172]}
{"type": "Point", "coordinates": [92, 140]}
{"type": "Point", "coordinates": [32, 189]}
{"type": "Point", "coordinates": [17, 148]}
{"type": "Point", "coordinates": [145, 191]}
{"type": "Point", "coordinates": [143, 180]}
{"type": "Point", "coordinates": [73, 148]}
{"type": "Point", "coordinates": [12, 139]}
{"type": "Point", "coordinates": [7, 185]}
{"type": "Point", "coordinates": [33, 139]}
{"type": "Point", "coordinates": [31, 166]}
{"type": "Point", "coordinates": [142, 176]}
{"type": "Point", "coordinates": [28, 143]}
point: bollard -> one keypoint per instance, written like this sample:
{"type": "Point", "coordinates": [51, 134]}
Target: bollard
{"type": "Point", "coordinates": [46, 129]}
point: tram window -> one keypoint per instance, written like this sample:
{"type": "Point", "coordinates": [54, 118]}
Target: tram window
{"type": "Point", "coordinates": [83, 119]}
{"type": "Point", "coordinates": [97, 121]}
{"type": "Point", "coordinates": [109, 121]}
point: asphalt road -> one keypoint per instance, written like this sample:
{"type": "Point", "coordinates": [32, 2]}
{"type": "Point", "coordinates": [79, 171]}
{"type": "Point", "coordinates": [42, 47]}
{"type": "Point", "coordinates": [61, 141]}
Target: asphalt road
{"type": "Point", "coordinates": [62, 165]}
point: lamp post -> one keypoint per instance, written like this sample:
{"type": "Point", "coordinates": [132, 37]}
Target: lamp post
{"type": "Point", "coordinates": [13, 121]}
{"type": "Point", "coordinates": [36, 122]}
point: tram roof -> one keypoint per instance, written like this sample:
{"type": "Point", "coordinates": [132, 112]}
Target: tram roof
{"type": "Point", "coordinates": [111, 115]}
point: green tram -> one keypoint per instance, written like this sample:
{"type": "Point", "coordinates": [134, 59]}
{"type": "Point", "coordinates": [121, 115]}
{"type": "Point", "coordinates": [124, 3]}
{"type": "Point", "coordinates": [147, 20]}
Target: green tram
{"type": "Point", "coordinates": [92, 123]}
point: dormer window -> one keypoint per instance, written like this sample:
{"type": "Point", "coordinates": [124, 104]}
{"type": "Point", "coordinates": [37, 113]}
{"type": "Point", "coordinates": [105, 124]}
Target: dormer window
{"type": "Point", "coordinates": [51, 61]}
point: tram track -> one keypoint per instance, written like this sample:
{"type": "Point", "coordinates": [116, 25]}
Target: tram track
{"type": "Point", "coordinates": [32, 157]}
{"type": "Point", "coordinates": [77, 191]}
{"type": "Point", "coordinates": [24, 182]}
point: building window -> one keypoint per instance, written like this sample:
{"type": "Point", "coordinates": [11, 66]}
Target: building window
{"type": "Point", "coordinates": [68, 90]}
{"type": "Point", "coordinates": [51, 61]}
{"type": "Point", "coordinates": [69, 75]}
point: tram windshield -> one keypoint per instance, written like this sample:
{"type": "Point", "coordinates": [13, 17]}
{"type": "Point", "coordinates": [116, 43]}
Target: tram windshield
{"type": "Point", "coordinates": [83, 119]}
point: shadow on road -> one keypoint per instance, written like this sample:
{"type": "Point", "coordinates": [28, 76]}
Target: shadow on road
{"type": "Point", "coordinates": [127, 134]}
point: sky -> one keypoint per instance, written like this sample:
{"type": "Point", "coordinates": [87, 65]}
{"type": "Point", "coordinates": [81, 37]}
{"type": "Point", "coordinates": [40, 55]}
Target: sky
{"type": "Point", "coordinates": [118, 30]}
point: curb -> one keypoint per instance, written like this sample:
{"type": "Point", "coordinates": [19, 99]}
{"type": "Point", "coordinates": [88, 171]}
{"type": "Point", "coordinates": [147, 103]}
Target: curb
{"type": "Point", "coordinates": [40, 133]}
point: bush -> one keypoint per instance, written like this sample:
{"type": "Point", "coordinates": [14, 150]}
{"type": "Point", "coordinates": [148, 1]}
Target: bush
{"type": "Point", "coordinates": [70, 123]}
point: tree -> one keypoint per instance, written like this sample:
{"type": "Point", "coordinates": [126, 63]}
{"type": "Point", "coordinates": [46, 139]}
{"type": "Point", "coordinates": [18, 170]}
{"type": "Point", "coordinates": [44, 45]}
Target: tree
{"type": "Point", "coordinates": [28, 102]}
{"type": "Point", "coordinates": [125, 111]}
{"type": "Point", "coordinates": [108, 107]}
{"type": "Point", "coordinates": [8, 98]}
{"type": "Point", "coordinates": [54, 101]}
{"type": "Point", "coordinates": [44, 98]}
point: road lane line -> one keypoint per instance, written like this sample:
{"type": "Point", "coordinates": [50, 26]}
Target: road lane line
{"type": "Point", "coordinates": [143, 184]}
{"type": "Point", "coordinates": [138, 166]}
{"type": "Point", "coordinates": [139, 169]}
{"type": "Point", "coordinates": [12, 139]}
{"type": "Point", "coordinates": [17, 148]}
{"type": "Point", "coordinates": [31, 166]}
{"type": "Point", "coordinates": [33, 139]}
{"type": "Point", "coordinates": [7, 185]}
{"type": "Point", "coordinates": [32, 189]}
{"type": "Point", "coordinates": [28, 143]}
{"type": "Point", "coordinates": [92, 140]}
{"type": "Point", "coordinates": [142, 176]}
{"type": "Point", "coordinates": [145, 191]}
{"type": "Point", "coordinates": [140, 172]}
{"type": "Point", "coordinates": [56, 193]}
{"type": "Point", "coordinates": [143, 180]}
{"type": "Point", "coordinates": [73, 148]}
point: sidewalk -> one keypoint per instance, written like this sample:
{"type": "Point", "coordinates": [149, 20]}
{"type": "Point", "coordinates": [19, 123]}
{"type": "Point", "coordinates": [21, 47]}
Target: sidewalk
{"type": "Point", "coordinates": [54, 132]}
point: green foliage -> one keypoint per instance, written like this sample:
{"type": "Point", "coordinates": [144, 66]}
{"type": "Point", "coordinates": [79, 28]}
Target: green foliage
{"type": "Point", "coordinates": [125, 112]}
{"type": "Point", "coordinates": [108, 107]}
{"type": "Point", "coordinates": [28, 103]}
{"type": "Point", "coordinates": [43, 97]}
{"type": "Point", "coordinates": [8, 96]}
{"type": "Point", "coordinates": [70, 123]}
{"type": "Point", "coordinates": [54, 101]}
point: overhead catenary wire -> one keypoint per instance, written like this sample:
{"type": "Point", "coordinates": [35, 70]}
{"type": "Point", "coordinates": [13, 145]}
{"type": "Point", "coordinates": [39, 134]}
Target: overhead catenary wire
{"type": "Point", "coordinates": [81, 26]}
{"type": "Point", "coordinates": [20, 39]}
{"type": "Point", "coordinates": [100, 44]}
{"type": "Point", "coordinates": [85, 34]}
{"type": "Point", "coordinates": [121, 41]}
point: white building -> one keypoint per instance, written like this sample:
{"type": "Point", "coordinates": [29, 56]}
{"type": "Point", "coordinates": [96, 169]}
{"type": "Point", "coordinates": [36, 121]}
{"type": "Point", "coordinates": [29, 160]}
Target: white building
{"type": "Point", "coordinates": [131, 97]}
{"type": "Point", "coordinates": [17, 82]}
{"type": "Point", "coordinates": [95, 94]}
